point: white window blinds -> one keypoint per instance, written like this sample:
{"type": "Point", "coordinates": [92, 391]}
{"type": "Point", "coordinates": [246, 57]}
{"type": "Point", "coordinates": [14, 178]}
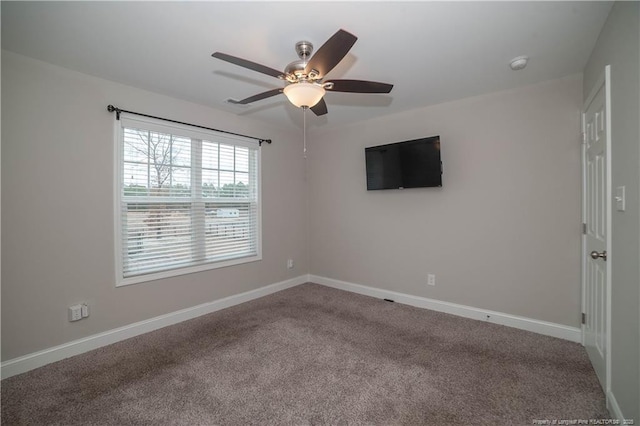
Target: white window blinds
{"type": "Point", "coordinates": [188, 200]}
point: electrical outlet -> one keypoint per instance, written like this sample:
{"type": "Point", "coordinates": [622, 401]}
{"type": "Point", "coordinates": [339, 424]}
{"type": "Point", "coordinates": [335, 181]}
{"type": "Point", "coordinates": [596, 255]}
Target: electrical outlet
{"type": "Point", "coordinates": [85, 310]}
{"type": "Point", "coordinates": [289, 263]}
{"type": "Point", "coordinates": [75, 313]}
{"type": "Point", "coordinates": [431, 279]}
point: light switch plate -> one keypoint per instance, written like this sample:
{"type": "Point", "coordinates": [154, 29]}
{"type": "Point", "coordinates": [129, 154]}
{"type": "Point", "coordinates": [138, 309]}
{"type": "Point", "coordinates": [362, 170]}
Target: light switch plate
{"type": "Point", "coordinates": [620, 198]}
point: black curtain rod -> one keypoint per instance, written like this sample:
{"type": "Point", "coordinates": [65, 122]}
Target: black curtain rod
{"type": "Point", "coordinates": [117, 110]}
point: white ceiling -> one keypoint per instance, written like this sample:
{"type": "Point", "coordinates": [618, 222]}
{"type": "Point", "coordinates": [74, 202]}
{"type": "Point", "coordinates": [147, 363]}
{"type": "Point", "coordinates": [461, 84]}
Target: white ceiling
{"type": "Point", "coordinates": [431, 51]}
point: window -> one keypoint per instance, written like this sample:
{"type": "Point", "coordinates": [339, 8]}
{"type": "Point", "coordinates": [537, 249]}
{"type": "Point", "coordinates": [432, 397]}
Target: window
{"type": "Point", "coordinates": [188, 200]}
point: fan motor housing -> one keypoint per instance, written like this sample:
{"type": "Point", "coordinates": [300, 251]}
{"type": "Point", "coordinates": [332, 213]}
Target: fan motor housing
{"type": "Point", "coordinates": [296, 67]}
{"type": "Point", "coordinates": [295, 71]}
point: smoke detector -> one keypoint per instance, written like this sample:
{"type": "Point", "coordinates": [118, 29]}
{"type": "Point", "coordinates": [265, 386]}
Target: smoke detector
{"type": "Point", "coordinates": [519, 63]}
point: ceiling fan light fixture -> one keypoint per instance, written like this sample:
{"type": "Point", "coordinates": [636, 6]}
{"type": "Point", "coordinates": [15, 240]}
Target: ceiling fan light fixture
{"type": "Point", "coordinates": [304, 78]}
{"type": "Point", "coordinates": [304, 94]}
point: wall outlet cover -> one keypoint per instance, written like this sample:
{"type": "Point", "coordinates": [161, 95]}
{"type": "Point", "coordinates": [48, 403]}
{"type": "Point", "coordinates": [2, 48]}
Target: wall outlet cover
{"type": "Point", "coordinates": [75, 312]}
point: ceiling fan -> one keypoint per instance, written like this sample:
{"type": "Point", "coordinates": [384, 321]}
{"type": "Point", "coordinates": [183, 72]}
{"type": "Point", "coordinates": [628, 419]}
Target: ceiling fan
{"type": "Point", "coordinates": [305, 87]}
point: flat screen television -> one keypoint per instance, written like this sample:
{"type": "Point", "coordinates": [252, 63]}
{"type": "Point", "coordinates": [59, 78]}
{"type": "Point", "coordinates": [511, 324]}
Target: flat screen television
{"type": "Point", "coordinates": [409, 164]}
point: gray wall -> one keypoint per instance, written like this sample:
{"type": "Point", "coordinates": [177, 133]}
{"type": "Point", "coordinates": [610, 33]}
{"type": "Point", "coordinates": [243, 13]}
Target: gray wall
{"type": "Point", "coordinates": [619, 46]}
{"type": "Point", "coordinates": [502, 234]}
{"type": "Point", "coordinates": [57, 201]}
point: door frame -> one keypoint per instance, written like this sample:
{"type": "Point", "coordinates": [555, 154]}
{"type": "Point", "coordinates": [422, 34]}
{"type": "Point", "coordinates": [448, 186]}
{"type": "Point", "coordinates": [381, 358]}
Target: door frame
{"type": "Point", "coordinates": [603, 80]}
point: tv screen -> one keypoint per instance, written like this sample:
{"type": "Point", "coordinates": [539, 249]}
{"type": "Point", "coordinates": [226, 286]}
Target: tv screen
{"type": "Point", "coordinates": [410, 164]}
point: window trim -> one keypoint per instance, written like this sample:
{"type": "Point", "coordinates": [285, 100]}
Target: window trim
{"type": "Point", "coordinates": [182, 130]}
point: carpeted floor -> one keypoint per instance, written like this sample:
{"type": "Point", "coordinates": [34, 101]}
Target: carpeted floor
{"type": "Point", "coordinates": [315, 355]}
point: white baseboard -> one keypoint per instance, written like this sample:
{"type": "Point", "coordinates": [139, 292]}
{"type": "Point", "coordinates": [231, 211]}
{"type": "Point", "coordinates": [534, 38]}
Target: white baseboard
{"type": "Point", "coordinates": [38, 359]}
{"type": "Point", "coordinates": [614, 408]}
{"type": "Point", "coordinates": [573, 334]}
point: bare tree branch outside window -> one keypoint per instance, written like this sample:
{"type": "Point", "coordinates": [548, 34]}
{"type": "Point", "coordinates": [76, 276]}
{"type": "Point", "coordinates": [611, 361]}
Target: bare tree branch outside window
{"type": "Point", "coordinates": [161, 153]}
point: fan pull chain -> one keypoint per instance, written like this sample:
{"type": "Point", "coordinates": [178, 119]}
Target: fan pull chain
{"type": "Point", "coordinates": [304, 130]}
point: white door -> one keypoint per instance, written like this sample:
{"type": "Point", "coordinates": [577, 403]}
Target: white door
{"type": "Point", "coordinates": [597, 217]}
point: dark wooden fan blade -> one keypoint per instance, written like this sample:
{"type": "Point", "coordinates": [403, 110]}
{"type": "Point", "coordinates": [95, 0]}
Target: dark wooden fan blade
{"type": "Point", "coordinates": [331, 53]}
{"type": "Point", "coordinates": [320, 108]}
{"type": "Point", "coordinates": [257, 97]}
{"type": "Point", "coordinates": [359, 86]}
{"type": "Point", "coordinates": [248, 64]}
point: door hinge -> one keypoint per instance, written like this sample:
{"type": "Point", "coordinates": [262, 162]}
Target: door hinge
{"type": "Point", "coordinates": [584, 318]}
{"type": "Point", "coordinates": [584, 228]}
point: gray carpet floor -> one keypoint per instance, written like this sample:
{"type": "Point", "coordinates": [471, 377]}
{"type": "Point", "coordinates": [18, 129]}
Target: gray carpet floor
{"type": "Point", "coordinates": [314, 355]}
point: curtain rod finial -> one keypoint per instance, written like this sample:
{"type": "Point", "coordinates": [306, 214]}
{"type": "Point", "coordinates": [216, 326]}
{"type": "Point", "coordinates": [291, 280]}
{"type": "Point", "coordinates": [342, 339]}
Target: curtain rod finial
{"type": "Point", "coordinates": [111, 108]}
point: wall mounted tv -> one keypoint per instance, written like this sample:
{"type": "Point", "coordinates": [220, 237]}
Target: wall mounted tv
{"type": "Point", "coordinates": [409, 164]}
